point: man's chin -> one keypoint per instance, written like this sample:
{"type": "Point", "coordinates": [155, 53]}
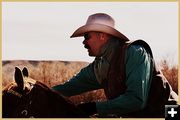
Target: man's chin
{"type": "Point", "coordinates": [91, 55]}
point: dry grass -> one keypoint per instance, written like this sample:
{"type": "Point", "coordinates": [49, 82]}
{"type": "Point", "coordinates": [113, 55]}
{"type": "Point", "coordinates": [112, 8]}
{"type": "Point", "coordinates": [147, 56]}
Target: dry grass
{"type": "Point", "coordinates": [171, 74]}
{"type": "Point", "coordinates": [57, 72]}
{"type": "Point", "coordinates": [49, 72]}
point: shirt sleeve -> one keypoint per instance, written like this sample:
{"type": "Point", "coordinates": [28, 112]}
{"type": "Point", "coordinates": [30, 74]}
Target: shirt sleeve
{"type": "Point", "coordinates": [137, 82]}
{"type": "Point", "coordinates": [84, 81]}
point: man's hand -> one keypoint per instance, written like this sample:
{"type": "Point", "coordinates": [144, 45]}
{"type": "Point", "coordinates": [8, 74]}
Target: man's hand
{"type": "Point", "coordinates": [88, 108]}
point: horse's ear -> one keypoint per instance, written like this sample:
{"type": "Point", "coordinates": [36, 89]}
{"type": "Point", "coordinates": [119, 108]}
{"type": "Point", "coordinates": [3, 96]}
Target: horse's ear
{"type": "Point", "coordinates": [25, 72]}
{"type": "Point", "coordinates": [19, 78]}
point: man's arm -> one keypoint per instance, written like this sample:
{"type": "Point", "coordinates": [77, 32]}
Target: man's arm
{"type": "Point", "coordinates": [84, 81]}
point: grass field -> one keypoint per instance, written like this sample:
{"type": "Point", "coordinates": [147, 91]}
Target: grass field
{"type": "Point", "coordinates": [57, 72]}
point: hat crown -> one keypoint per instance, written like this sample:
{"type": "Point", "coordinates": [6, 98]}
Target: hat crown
{"type": "Point", "coordinates": [101, 18]}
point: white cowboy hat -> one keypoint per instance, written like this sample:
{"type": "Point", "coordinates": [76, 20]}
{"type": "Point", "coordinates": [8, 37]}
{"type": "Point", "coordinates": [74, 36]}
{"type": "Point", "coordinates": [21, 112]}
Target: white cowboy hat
{"type": "Point", "coordinates": [99, 22]}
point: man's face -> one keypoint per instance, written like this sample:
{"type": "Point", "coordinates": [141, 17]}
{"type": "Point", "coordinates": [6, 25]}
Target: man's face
{"type": "Point", "coordinates": [93, 42]}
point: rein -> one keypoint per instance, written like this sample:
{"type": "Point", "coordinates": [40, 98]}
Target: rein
{"type": "Point", "coordinates": [14, 93]}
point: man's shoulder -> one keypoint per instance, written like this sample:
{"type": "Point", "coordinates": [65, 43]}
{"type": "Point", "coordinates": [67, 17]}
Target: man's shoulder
{"type": "Point", "coordinates": [139, 44]}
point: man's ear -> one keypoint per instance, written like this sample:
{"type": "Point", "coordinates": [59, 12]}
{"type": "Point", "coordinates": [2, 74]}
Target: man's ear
{"type": "Point", "coordinates": [103, 36]}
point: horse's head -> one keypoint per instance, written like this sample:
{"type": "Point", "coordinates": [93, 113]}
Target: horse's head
{"type": "Point", "coordinates": [17, 96]}
{"type": "Point", "coordinates": [27, 97]}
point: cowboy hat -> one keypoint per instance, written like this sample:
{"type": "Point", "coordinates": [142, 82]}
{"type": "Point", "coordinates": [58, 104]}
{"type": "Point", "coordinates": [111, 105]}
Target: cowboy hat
{"type": "Point", "coordinates": [99, 22]}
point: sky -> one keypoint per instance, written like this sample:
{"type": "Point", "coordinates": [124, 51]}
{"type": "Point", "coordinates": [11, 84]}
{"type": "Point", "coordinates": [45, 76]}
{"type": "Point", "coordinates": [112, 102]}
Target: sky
{"type": "Point", "coordinates": [42, 30]}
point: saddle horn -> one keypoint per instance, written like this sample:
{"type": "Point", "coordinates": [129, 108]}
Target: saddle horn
{"type": "Point", "coordinates": [19, 78]}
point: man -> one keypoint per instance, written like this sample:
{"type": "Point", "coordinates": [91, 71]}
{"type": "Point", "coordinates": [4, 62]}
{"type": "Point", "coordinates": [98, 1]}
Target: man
{"type": "Point", "coordinates": [123, 70]}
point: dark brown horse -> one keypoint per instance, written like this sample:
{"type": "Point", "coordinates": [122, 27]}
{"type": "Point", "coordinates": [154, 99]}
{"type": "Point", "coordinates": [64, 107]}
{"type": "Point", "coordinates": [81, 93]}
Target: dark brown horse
{"type": "Point", "coordinates": [29, 98]}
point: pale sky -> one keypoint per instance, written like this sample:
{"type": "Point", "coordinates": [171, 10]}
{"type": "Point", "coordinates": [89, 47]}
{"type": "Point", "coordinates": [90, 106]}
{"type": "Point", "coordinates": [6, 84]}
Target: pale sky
{"type": "Point", "coordinates": [42, 30]}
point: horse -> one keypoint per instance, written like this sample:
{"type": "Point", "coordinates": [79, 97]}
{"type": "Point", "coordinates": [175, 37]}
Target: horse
{"type": "Point", "coordinates": [28, 98]}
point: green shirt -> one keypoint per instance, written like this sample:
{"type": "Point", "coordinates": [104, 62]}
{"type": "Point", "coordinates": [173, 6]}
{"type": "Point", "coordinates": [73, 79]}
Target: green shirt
{"type": "Point", "coordinates": [138, 78]}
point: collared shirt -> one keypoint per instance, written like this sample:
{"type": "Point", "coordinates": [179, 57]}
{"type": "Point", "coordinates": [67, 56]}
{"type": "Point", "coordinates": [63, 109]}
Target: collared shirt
{"type": "Point", "coordinates": [138, 78]}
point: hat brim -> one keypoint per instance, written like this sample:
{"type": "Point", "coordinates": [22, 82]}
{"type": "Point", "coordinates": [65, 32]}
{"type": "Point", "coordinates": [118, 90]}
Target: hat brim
{"type": "Point", "coordinates": [98, 28]}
